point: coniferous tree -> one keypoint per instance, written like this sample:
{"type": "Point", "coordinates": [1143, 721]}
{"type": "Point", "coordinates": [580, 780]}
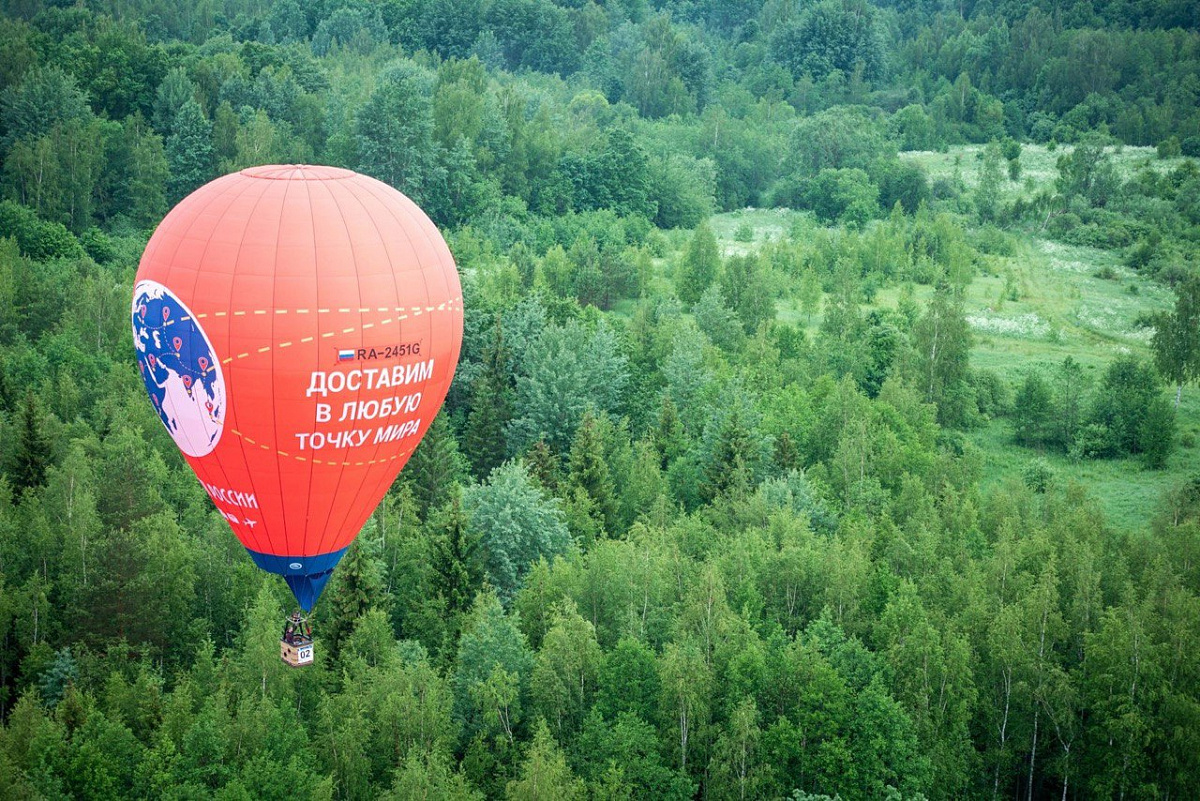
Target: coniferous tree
{"type": "Point", "coordinates": [668, 433]}
{"type": "Point", "coordinates": [787, 455]}
{"type": "Point", "coordinates": [588, 471]}
{"type": "Point", "coordinates": [455, 559]}
{"type": "Point", "coordinates": [33, 448]}
{"type": "Point", "coordinates": [436, 466]}
{"type": "Point", "coordinates": [730, 468]}
{"type": "Point", "coordinates": [356, 586]}
{"type": "Point", "coordinates": [485, 442]}
{"type": "Point", "coordinates": [545, 774]}
{"type": "Point", "coordinates": [543, 466]}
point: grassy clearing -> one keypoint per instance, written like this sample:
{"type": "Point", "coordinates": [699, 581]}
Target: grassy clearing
{"type": "Point", "coordinates": [1038, 165]}
{"type": "Point", "coordinates": [1062, 307]}
{"type": "Point", "coordinates": [746, 230]}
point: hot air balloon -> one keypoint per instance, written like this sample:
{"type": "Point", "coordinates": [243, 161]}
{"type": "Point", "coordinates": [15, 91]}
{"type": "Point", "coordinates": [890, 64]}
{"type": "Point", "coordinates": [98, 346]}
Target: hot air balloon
{"type": "Point", "coordinates": [297, 330]}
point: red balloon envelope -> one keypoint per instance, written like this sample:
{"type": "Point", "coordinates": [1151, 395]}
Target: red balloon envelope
{"type": "Point", "coordinates": [297, 328]}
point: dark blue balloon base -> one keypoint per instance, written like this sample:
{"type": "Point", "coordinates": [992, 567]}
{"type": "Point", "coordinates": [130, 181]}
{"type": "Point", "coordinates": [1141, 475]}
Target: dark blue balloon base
{"type": "Point", "coordinates": [306, 575]}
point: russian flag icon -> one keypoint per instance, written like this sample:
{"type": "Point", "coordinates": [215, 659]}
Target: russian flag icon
{"type": "Point", "coordinates": [345, 355]}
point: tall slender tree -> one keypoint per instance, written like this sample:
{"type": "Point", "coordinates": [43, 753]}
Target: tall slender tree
{"type": "Point", "coordinates": [1176, 340]}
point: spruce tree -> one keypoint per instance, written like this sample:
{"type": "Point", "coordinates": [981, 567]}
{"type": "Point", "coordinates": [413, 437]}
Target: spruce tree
{"type": "Point", "coordinates": [357, 586]}
{"type": "Point", "coordinates": [543, 467]}
{"type": "Point", "coordinates": [729, 469]}
{"type": "Point", "coordinates": [787, 456]}
{"type": "Point", "coordinates": [33, 449]}
{"type": "Point", "coordinates": [668, 434]}
{"type": "Point", "coordinates": [436, 466]}
{"type": "Point", "coordinates": [455, 559]}
{"type": "Point", "coordinates": [588, 470]}
{"type": "Point", "coordinates": [485, 442]}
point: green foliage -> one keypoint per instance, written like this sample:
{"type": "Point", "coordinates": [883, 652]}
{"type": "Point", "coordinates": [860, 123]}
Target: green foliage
{"type": "Point", "coordinates": [561, 373]}
{"type": "Point", "coordinates": [698, 265]}
{"type": "Point", "coordinates": [1087, 172]}
{"type": "Point", "coordinates": [516, 523]}
{"type": "Point", "coordinates": [843, 195]}
{"type": "Point", "coordinates": [1125, 397]}
{"type": "Point", "coordinates": [938, 364]}
{"type": "Point", "coordinates": [832, 35]}
{"type": "Point", "coordinates": [436, 467]}
{"type": "Point", "coordinates": [37, 239]}
{"type": "Point", "coordinates": [393, 134]}
{"type": "Point", "coordinates": [748, 562]}
{"type": "Point", "coordinates": [492, 665]}
{"type": "Point", "coordinates": [356, 587]}
{"type": "Point", "coordinates": [31, 457]}
{"type": "Point", "coordinates": [189, 152]}
{"type": "Point", "coordinates": [1176, 341]}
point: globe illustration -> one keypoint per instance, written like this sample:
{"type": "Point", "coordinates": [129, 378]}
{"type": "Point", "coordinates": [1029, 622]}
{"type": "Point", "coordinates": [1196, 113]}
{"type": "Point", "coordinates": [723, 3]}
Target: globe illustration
{"type": "Point", "coordinates": [179, 367]}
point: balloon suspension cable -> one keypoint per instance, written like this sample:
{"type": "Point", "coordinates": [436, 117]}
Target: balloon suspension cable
{"type": "Point", "coordinates": [297, 630]}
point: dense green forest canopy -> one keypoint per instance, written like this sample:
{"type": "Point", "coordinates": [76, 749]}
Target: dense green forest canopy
{"type": "Point", "coordinates": [723, 503]}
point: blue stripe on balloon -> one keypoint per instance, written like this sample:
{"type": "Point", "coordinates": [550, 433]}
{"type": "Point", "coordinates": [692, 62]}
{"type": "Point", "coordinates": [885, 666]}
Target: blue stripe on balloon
{"type": "Point", "coordinates": [306, 575]}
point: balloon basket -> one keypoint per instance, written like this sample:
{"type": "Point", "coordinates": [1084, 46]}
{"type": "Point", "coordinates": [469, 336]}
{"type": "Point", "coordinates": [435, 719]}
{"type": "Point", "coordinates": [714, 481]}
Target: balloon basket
{"type": "Point", "coordinates": [296, 651]}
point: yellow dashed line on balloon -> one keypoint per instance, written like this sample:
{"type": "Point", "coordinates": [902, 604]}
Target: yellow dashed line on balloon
{"type": "Point", "coordinates": [448, 306]}
{"type": "Point", "coordinates": [332, 463]}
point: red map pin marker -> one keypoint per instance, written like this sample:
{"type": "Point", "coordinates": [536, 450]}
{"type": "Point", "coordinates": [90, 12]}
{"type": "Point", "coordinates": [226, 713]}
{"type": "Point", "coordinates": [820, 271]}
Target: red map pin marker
{"type": "Point", "coordinates": [187, 381]}
{"type": "Point", "coordinates": [152, 360]}
{"type": "Point", "coordinates": [203, 364]}
{"type": "Point", "coordinates": [178, 343]}
{"type": "Point", "coordinates": [166, 314]}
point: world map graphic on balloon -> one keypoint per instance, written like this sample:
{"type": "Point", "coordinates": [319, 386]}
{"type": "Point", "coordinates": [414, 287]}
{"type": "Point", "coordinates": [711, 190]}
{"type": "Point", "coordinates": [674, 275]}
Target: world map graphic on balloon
{"type": "Point", "coordinates": [179, 367]}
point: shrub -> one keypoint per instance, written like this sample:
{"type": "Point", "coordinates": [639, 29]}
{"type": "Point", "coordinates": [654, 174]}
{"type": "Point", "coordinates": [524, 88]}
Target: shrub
{"type": "Point", "coordinates": [1169, 148]}
{"type": "Point", "coordinates": [1038, 475]}
{"type": "Point", "coordinates": [37, 238]}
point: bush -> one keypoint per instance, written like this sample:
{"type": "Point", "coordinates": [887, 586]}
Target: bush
{"type": "Point", "coordinates": [1156, 434]}
{"type": "Point", "coordinates": [1094, 441]}
{"type": "Point", "coordinates": [37, 238]}
{"type": "Point", "coordinates": [1169, 148]}
{"type": "Point", "coordinates": [991, 393]}
{"type": "Point", "coordinates": [98, 245]}
{"type": "Point", "coordinates": [994, 242]}
{"type": "Point", "coordinates": [1038, 475]}
{"type": "Point", "coordinates": [1190, 147]}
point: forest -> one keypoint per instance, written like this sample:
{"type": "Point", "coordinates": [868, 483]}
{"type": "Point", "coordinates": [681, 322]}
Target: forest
{"type": "Point", "coordinates": [825, 425]}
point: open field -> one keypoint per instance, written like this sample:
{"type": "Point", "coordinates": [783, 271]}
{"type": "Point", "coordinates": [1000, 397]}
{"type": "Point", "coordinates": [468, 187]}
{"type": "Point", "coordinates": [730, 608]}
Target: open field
{"type": "Point", "coordinates": [1038, 164]}
{"type": "Point", "coordinates": [1062, 307]}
